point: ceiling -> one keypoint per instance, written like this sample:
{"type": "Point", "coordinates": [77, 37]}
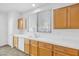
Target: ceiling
{"type": "Point", "coordinates": [20, 7]}
{"type": "Point", "coordinates": [23, 7]}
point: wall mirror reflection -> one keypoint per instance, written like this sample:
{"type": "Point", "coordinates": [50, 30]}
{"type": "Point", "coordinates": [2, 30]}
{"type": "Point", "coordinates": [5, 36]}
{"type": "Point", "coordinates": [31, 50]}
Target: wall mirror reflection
{"type": "Point", "coordinates": [44, 21]}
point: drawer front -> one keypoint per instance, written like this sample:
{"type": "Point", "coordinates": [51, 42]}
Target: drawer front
{"type": "Point", "coordinates": [45, 45]}
{"type": "Point", "coordinates": [44, 52]}
{"type": "Point", "coordinates": [34, 43]}
{"type": "Point", "coordinates": [34, 51]}
{"type": "Point", "coordinates": [57, 53]}
{"type": "Point", "coordinates": [59, 48]}
{"type": "Point", "coordinates": [70, 51]}
{"type": "Point", "coordinates": [26, 41]}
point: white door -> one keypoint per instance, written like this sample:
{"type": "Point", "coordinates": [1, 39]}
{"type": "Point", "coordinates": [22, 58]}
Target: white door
{"type": "Point", "coordinates": [21, 44]}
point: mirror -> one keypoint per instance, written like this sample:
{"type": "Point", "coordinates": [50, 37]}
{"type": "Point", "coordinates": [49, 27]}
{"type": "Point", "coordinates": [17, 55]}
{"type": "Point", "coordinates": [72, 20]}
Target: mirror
{"type": "Point", "coordinates": [44, 21]}
{"type": "Point", "coordinates": [32, 23]}
{"type": "Point", "coordinates": [21, 23]}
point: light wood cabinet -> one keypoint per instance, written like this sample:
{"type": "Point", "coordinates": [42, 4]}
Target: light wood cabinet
{"type": "Point", "coordinates": [67, 17]}
{"type": "Point", "coordinates": [58, 53]}
{"type": "Point", "coordinates": [65, 51]}
{"type": "Point", "coordinates": [45, 45]}
{"type": "Point", "coordinates": [60, 18]}
{"type": "Point", "coordinates": [15, 41]}
{"type": "Point", "coordinates": [73, 12]}
{"type": "Point", "coordinates": [45, 49]}
{"type": "Point", "coordinates": [27, 46]}
{"type": "Point", "coordinates": [44, 52]}
{"type": "Point", "coordinates": [34, 43]}
{"type": "Point", "coordinates": [37, 48]}
{"type": "Point", "coordinates": [21, 23]}
{"type": "Point", "coordinates": [34, 48]}
{"type": "Point", "coordinates": [34, 51]}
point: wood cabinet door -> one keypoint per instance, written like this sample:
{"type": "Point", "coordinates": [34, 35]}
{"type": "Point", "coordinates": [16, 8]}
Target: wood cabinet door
{"type": "Point", "coordinates": [44, 52]}
{"type": "Point", "coordinates": [34, 50]}
{"type": "Point", "coordinates": [60, 18]}
{"type": "Point", "coordinates": [15, 42]}
{"type": "Point", "coordinates": [27, 46]}
{"type": "Point", "coordinates": [73, 12]}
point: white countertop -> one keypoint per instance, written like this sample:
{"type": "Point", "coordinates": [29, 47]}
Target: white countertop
{"type": "Point", "coordinates": [63, 42]}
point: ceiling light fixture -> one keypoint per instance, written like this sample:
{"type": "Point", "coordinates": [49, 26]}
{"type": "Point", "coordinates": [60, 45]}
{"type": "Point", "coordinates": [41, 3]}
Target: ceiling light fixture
{"type": "Point", "coordinates": [37, 10]}
{"type": "Point", "coordinates": [33, 5]}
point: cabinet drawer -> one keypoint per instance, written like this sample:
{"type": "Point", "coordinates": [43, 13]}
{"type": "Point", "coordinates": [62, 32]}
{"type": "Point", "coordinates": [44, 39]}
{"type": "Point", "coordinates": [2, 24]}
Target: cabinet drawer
{"type": "Point", "coordinates": [44, 52]}
{"type": "Point", "coordinates": [26, 41]}
{"type": "Point", "coordinates": [34, 43]}
{"type": "Point", "coordinates": [45, 45]}
{"type": "Point", "coordinates": [34, 50]}
{"type": "Point", "coordinates": [59, 48]}
{"type": "Point", "coordinates": [57, 53]}
{"type": "Point", "coordinates": [70, 51]}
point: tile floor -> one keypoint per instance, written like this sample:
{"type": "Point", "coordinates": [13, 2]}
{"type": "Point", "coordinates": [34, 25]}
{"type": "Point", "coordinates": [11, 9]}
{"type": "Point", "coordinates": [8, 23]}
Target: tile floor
{"type": "Point", "coordinates": [8, 51]}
